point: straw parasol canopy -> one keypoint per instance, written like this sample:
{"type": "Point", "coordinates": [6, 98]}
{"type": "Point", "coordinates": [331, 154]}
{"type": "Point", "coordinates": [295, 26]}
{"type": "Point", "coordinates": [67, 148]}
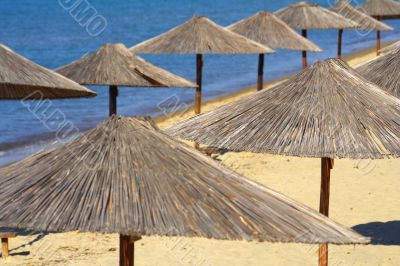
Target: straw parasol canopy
{"type": "Point", "coordinates": [327, 111]}
{"type": "Point", "coordinates": [384, 71]}
{"type": "Point", "coordinates": [268, 29]}
{"type": "Point", "coordinates": [126, 176]}
{"type": "Point", "coordinates": [381, 9]}
{"type": "Point", "coordinates": [23, 79]}
{"type": "Point", "coordinates": [305, 16]}
{"type": "Point", "coordinates": [391, 47]}
{"type": "Point", "coordinates": [114, 65]}
{"type": "Point", "coordinates": [365, 22]}
{"type": "Point", "coordinates": [200, 36]}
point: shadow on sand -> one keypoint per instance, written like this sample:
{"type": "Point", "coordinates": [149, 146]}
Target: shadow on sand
{"type": "Point", "coordinates": [22, 232]}
{"type": "Point", "coordinates": [381, 233]}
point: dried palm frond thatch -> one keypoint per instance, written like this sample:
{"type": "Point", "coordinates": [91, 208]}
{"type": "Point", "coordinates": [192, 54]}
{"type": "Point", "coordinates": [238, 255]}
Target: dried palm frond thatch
{"type": "Point", "coordinates": [200, 36]}
{"type": "Point", "coordinates": [327, 111]}
{"type": "Point", "coordinates": [305, 16]}
{"type": "Point", "coordinates": [365, 22]}
{"type": "Point", "coordinates": [384, 9]}
{"type": "Point", "coordinates": [381, 9]}
{"type": "Point", "coordinates": [384, 71]}
{"type": "Point", "coordinates": [127, 177]}
{"type": "Point", "coordinates": [114, 65]}
{"type": "Point", "coordinates": [308, 16]}
{"type": "Point", "coordinates": [268, 29]}
{"type": "Point", "coordinates": [23, 79]}
{"type": "Point", "coordinates": [391, 47]}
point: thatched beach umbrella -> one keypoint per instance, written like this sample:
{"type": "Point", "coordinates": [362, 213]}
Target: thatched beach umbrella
{"type": "Point", "coordinates": [365, 22]}
{"type": "Point", "coordinates": [20, 78]}
{"type": "Point", "coordinates": [327, 111]}
{"type": "Point", "coordinates": [385, 9]}
{"type": "Point", "coordinates": [126, 176]}
{"type": "Point", "coordinates": [269, 30]}
{"type": "Point", "coordinates": [384, 71]}
{"type": "Point", "coordinates": [306, 16]}
{"type": "Point", "coordinates": [114, 65]}
{"type": "Point", "coordinates": [381, 10]}
{"type": "Point", "coordinates": [200, 36]}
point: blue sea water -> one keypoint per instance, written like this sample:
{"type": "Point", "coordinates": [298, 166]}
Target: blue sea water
{"type": "Point", "coordinates": [44, 31]}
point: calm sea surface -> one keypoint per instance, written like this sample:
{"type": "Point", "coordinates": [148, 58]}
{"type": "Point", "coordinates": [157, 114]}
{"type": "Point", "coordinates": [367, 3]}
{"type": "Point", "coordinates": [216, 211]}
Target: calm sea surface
{"type": "Point", "coordinates": [45, 32]}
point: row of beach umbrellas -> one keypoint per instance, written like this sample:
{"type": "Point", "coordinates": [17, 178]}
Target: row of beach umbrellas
{"type": "Point", "coordinates": [132, 179]}
{"type": "Point", "coordinates": [257, 34]}
{"type": "Point", "coordinates": [272, 30]}
{"type": "Point", "coordinates": [124, 151]}
{"type": "Point", "coordinates": [127, 177]}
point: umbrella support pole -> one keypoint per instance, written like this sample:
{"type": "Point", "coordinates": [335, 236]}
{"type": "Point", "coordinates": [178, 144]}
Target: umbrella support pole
{"type": "Point", "coordinates": [304, 53]}
{"type": "Point", "coordinates": [4, 244]}
{"type": "Point", "coordinates": [199, 79]}
{"type": "Point", "coordinates": [378, 39]}
{"type": "Point", "coordinates": [378, 42]}
{"type": "Point", "coordinates": [127, 250]}
{"type": "Point", "coordinates": [326, 167]}
{"type": "Point", "coordinates": [113, 100]}
{"type": "Point", "coordinates": [260, 80]}
{"type": "Point", "coordinates": [340, 37]}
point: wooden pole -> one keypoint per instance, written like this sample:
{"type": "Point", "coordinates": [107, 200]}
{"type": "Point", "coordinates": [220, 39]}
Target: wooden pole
{"type": "Point", "coordinates": [378, 39]}
{"type": "Point", "coordinates": [199, 78]}
{"type": "Point", "coordinates": [199, 81]}
{"type": "Point", "coordinates": [260, 80]}
{"type": "Point", "coordinates": [326, 167]}
{"type": "Point", "coordinates": [340, 36]}
{"type": "Point", "coordinates": [4, 244]}
{"type": "Point", "coordinates": [132, 248]}
{"type": "Point", "coordinates": [127, 250]}
{"type": "Point", "coordinates": [113, 100]}
{"type": "Point", "coordinates": [378, 42]}
{"type": "Point", "coordinates": [304, 33]}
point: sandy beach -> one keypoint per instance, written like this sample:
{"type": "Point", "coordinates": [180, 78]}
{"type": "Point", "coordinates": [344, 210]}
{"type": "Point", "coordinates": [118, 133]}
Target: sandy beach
{"type": "Point", "coordinates": [364, 196]}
